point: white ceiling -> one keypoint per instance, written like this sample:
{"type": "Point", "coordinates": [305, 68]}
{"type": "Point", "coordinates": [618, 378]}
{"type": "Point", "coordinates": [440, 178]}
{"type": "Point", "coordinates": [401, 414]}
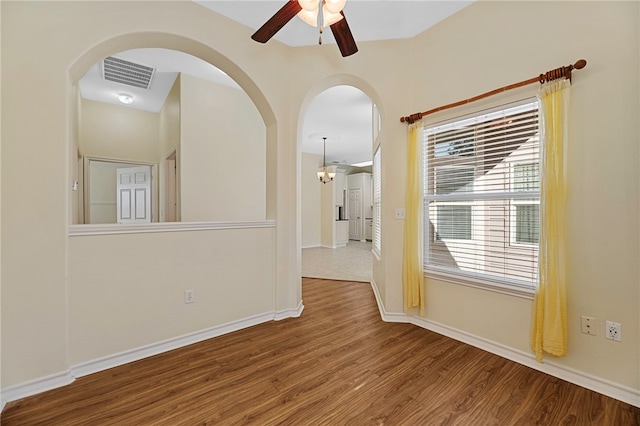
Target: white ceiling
{"type": "Point", "coordinates": [343, 114]}
{"type": "Point", "coordinates": [368, 20]}
{"type": "Point", "coordinates": [168, 63]}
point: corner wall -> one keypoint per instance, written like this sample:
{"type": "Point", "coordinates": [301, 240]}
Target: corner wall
{"type": "Point", "coordinates": [491, 44]}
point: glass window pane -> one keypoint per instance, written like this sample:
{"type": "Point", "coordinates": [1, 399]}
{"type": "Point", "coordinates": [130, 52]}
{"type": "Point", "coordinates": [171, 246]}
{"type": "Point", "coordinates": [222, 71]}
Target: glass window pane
{"type": "Point", "coordinates": [527, 223]}
{"type": "Point", "coordinates": [453, 222]}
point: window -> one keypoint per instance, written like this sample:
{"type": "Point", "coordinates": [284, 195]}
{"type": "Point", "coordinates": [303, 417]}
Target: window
{"type": "Point", "coordinates": [376, 202]}
{"type": "Point", "coordinates": [482, 198]}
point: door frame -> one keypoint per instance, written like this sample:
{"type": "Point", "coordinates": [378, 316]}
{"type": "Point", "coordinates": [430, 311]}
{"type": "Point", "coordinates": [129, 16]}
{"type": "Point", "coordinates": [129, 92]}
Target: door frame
{"type": "Point", "coordinates": [171, 187]}
{"type": "Point", "coordinates": [87, 159]}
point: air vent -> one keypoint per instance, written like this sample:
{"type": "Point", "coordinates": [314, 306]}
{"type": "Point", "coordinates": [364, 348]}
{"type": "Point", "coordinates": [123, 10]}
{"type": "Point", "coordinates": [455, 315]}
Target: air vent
{"type": "Point", "coordinates": [125, 72]}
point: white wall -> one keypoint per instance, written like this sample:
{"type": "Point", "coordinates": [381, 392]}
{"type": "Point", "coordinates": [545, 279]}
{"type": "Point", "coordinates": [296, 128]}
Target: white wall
{"type": "Point", "coordinates": [463, 56]}
{"type": "Point", "coordinates": [310, 194]}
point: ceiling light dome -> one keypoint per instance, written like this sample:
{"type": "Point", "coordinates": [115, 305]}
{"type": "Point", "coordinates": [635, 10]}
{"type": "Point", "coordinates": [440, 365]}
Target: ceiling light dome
{"type": "Point", "coordinates": [125, 98]}
{"type": "Point", "coordinates": [309, 16]}
{"type": "Point", "coordinates": [334, 6]}
{"type": "Point", "coordinates": [309, 5]}
{"type": "Point", "coordinates": [329, 18]}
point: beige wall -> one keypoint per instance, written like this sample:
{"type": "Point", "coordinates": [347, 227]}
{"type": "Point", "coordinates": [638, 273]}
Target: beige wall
{"type": "Point", "coordinates": [222, 154]}
{"type": "Point", "coordinates": [169, 142]}
{"type": "Point", "coordinates": [119, 132]}
{"type": "Point", "coordinates": [102, 192]}
{"type": "Point", "coordinates": [114, 132]}
{"type": "Point", "coordinates": [220, 138]}
{"type": "Point", "coordinates": [310, 199]}
{"type": "Point", "coordinates": [46, 269]}
{"type": "Point", "coordinates": [603, 276]}
{"type": "Point", "coordinates": [141, 301]}
{"type": "Point", "coordinates": [327, 215]}
{"type": "Point", "coordinates": [470, 53]}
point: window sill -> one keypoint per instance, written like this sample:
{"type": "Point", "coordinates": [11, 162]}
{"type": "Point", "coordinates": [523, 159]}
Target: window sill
{"type": "Point", "coordinates": [498, 287]}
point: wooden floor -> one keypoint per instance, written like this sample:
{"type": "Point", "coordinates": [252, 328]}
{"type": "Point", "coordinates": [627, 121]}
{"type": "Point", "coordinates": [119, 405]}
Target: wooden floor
{"type": "Point", "coordinates": [338, 364]}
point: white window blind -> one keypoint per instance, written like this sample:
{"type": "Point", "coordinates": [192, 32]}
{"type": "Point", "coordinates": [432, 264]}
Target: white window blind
{"type": "Point", "coordinates": [482, 196]}
{"type": "Point", "coordinates": [376, 202]}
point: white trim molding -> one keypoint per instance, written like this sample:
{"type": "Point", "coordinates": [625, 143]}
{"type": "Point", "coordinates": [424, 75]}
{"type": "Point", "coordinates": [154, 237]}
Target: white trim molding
{"type": "Point", "coordinates": [491, 285]}
{"type": "Point", "coordinates": [289, 313]}
{"type": "Point", "coordinates": [386, 316]}
{"type": "Point", "coordinates": [32, 387]}
{"type": "Point", "coordinates": [141, 228]}
{"type": "Point", "coordinates": [115, 360]}
{"type": "Point", "coordinates": [614, 390]}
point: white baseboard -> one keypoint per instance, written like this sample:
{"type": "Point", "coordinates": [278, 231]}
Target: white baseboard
{"type": "Point", "coordinates": [23, 390]}
{"type": "Point", "coordinates": [387, 316]}
{"type": "Point", "coordinates": [289, 313]}
{"type": "Point", "coordinates": [33, 387]}
{"type": "Point", "coordinates": [614, 390]}
{"type": "Point", "coordinates": [115, 360]}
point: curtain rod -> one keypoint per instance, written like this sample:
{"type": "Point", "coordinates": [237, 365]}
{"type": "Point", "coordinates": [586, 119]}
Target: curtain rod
{"type": "Point", "coordinates": [548, 76]}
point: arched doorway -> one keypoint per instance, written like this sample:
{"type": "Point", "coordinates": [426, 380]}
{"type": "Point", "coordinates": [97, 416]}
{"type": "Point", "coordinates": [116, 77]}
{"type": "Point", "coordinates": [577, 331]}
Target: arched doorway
{"type": "Point", "coordinates": [339, 129]}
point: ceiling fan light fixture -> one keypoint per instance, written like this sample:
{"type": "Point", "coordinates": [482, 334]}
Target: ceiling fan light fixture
{"type": "Point", "coordinates": [329, 18]}
{"type": "Point", "coordinates": [309, 11]}
{"type": "Point", "coordinates": [309, 16]}
{"type": "Point", "coordinates": [308, 4]}
{"type": "Point", "coordinates": [334, 6]}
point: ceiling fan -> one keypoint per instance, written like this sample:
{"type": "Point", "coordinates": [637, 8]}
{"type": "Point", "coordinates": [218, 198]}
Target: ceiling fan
{"type": "Point", "coordinates": [309, 12]}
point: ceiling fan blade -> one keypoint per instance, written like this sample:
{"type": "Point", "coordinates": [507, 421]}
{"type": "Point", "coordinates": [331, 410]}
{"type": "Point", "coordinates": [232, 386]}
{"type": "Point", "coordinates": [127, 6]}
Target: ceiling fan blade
{"type": "Point", "coordinates": [277, 21]}
{"type": "Point", "coordinates": [343, 37]}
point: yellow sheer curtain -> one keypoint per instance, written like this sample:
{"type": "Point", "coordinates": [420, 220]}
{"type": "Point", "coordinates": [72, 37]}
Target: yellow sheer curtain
{"type": "Point", "coordinates": [549, 329]}
{"type": "Point", "coordinates": [412, 274]}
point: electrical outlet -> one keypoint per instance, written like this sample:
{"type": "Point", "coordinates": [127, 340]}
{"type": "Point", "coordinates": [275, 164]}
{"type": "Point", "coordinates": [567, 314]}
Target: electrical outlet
{"type": "Point", "coordinates": [589, 325]}
{"type": "Point", "coordinates": [613, 331]}
{"type": "Point", "coordinates": [189, 296]}
{"type": "Point", "coordinates": [399, 214]}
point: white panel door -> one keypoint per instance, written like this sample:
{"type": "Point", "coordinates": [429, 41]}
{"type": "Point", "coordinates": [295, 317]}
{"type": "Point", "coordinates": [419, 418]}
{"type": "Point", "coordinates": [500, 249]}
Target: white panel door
{"type": "Point", "coordinates": [134, 194]}
{"type": "Point", "coordinates": [355, 216]}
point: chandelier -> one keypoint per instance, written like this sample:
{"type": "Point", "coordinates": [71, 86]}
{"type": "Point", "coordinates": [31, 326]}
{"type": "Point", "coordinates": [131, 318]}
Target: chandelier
{"type": "Point", "coordinates": [326, 173]}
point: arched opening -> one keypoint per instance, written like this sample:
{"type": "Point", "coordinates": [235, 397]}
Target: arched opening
{"type": "Point", "coordinates": [208, 114]}
{"type": "Point", "coordinates": [158, 264]}
{"type": "Point", "coordinates": [336, 225]}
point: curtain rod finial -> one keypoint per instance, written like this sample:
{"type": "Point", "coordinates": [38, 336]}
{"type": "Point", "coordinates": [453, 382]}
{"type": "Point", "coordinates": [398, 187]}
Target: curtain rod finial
{"type": "Point", "coordinates": [580, 64]}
